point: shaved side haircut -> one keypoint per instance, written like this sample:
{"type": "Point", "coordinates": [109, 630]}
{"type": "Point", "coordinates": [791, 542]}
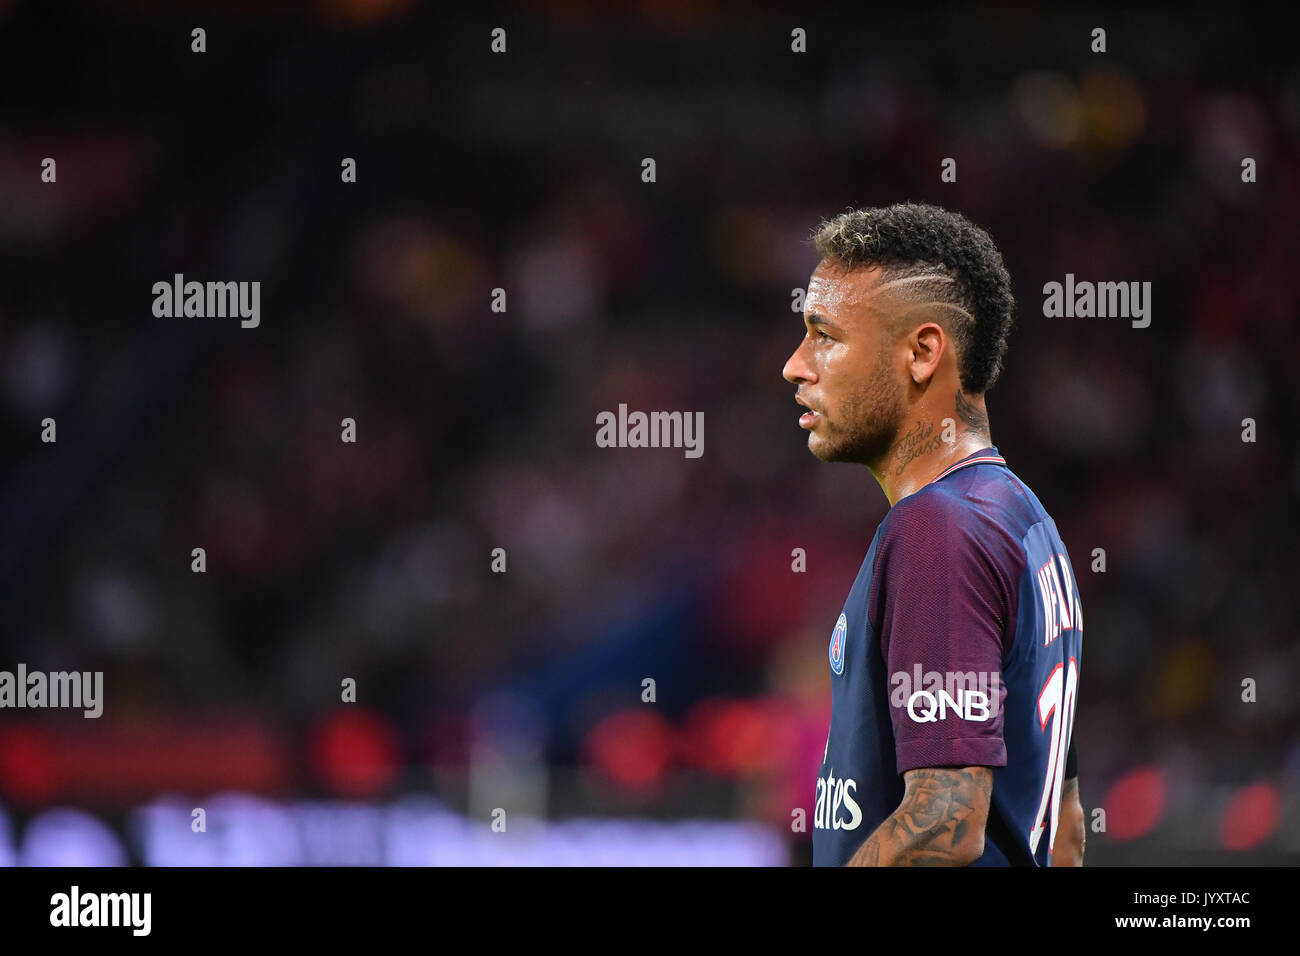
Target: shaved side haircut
{"type": "Point", "coordinates": [932, 259]}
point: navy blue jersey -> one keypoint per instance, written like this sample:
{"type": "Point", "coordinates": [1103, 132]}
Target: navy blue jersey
{"type": "Point", "coordinates": [959, 645]}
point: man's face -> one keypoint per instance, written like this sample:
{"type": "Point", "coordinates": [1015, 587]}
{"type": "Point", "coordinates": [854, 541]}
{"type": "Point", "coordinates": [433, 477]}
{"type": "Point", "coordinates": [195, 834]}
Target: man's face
{"type": "Point", "coordinates": [844, 368]}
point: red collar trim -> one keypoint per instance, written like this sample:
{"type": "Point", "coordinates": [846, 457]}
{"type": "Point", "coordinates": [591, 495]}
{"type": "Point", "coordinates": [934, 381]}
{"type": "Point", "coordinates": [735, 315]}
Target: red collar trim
{"type": "Point", "coordinates": [982, 459]}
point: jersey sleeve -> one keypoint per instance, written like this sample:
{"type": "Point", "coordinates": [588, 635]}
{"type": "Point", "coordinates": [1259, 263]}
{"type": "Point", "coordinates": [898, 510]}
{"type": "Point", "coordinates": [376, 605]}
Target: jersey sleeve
{"type": "Point", "coordinates": [942, 605]}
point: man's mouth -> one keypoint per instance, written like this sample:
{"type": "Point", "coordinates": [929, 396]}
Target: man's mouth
{"type": "Point", "coordinates": [809, 418]}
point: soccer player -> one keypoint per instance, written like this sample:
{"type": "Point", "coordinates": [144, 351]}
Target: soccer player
{"type": "Point", "coordinates": [955, 661]}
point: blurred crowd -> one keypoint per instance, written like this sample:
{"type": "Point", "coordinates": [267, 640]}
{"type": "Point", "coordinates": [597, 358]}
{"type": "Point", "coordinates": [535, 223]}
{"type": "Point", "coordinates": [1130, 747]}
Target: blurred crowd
{"type": "Point", "coordinates": [373, 560]}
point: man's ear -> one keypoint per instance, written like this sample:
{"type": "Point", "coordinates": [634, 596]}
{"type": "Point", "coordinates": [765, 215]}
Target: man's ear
{"type": "Point", "coordinates": [927, 343]}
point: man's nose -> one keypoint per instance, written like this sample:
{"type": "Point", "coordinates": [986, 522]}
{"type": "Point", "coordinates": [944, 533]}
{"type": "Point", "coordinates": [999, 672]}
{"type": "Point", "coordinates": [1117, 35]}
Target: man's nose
{"type": "Point", "coordinates": [796, 369]}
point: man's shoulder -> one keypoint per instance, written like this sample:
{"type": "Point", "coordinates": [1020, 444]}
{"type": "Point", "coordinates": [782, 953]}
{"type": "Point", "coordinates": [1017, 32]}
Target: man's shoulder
{"type": "Point", "coordinates": [985, 514]}
{"type": "Point", "coordinates": [930, 509]}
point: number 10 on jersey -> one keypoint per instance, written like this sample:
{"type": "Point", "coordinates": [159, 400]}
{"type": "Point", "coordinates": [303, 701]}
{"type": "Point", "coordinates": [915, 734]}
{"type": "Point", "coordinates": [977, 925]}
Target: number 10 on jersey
{"type": "Point", "coordinates": [1055, 701]}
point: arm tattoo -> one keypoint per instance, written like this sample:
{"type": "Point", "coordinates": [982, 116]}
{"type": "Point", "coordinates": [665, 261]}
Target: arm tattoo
{"type": "Point", "coordinates": [974, 419]}
{"type": "Point", "coordinates": [939, 823]}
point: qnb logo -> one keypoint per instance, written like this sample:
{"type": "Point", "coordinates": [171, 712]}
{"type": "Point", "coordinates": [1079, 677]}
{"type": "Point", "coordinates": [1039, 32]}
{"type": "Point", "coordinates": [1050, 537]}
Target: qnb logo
{"type": "Point", "coordinates": [926, 708]}
{"type": "Point", "coordinates": [932, 695]}
{"type": "Point", "coordinates": [837, 644]}
{"type": "Point", "coordinates": [834, 801]}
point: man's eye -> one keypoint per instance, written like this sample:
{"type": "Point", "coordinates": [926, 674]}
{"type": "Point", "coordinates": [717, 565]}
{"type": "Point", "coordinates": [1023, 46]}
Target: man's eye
{"type": "Point", "coordinates": [823, 336]}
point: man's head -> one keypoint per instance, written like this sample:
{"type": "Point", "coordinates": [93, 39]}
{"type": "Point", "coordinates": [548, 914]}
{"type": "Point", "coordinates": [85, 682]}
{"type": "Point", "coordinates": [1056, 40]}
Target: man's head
{"type": "Point", "coordinates": [905, 299]}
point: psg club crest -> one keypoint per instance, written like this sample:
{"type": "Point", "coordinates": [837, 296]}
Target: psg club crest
{"type": "Point", "coordinates": [837, 644]}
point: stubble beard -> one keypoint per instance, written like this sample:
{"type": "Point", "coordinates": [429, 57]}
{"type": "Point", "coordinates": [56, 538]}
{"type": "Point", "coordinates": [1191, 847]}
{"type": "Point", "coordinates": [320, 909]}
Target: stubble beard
{"type": "Point", "coordinates": [866, 423]}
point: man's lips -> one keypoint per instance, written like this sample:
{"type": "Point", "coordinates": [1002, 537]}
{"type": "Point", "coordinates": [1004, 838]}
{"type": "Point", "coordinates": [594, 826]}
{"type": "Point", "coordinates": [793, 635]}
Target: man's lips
{"type": "Point", "coordinates": [809, 418]}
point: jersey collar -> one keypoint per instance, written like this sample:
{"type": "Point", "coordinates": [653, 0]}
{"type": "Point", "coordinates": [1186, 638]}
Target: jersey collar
{"type": "Point", "coordinates": [985, 456]}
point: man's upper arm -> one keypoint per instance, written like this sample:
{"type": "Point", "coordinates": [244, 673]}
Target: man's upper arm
{"type": "Point", "coordinates": [943, 601]}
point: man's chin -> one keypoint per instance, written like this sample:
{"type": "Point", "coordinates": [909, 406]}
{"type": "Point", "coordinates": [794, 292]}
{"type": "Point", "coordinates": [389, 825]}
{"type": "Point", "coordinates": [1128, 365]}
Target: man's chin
{"type": "Point", "coordinates": [853, 452]}
{"type": "Point", "coordinates": [822, 449]}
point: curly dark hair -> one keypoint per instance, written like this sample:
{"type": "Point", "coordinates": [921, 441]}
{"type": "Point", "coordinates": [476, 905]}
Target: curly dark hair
{"type": "Point", "coordinates": [952, 261]}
